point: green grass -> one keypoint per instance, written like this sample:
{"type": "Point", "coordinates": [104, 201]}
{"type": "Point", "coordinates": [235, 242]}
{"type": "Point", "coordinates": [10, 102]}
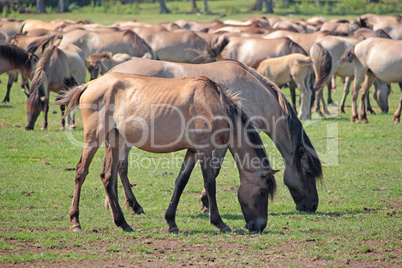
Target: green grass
{"type": "Point", "coordinates": [358, 218]}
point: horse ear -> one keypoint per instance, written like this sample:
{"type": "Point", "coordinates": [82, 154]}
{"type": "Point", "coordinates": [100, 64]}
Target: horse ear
{"type": "Point", "coordinates": [43, 98]}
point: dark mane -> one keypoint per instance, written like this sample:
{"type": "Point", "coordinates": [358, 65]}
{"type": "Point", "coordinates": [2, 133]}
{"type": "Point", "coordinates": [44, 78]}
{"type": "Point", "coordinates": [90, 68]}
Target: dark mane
{"type": "Point", "coordinates": [298, 136]}
{"type": "Point", "coordinates": [17, 56]}
{"type": "Point", "coordinates": [133, 37]}
{"type": "Point", "coordinates": [212, 50]}
{"type": "Point", "coordinates": [234, 112]}
{"type": "Point", "coordinates": [42, 43]}
{"type": "Point", "coordinates": [302, 144]}
{"type": "Point", "coordinates": [37, 90]}
{"type": "Point", "coordinates": [294, 47]}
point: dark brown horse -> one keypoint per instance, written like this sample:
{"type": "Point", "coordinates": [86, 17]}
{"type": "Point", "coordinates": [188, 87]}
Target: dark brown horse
{"type": "Point", "coordinates": [191, 113]}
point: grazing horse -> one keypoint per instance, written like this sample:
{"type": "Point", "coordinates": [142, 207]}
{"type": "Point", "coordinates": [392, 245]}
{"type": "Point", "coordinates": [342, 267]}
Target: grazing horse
{"type": "Point", "coordinates": [372, 58]}
{"type": "Point", "coordinates": [251, 51]}
{"type": "Point", "coordinates": [265, 104]}
{"type": "Point", "coordinates": [58, 67]}
{"type": "Point", "coordinates": [115, 42]}
{"type": "Point", "coordinates": [13, 58]}
{"type": "Point", "coordinates": [100, 63]}
{"type": "Point", "coordinates": [292, 68]}
{"type": "Point", "coordinates": [191, 113]}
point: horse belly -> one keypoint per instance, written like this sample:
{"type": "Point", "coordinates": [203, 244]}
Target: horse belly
{"type": "Point", "coordinates": [389, 72]}
{"type": "Point", "coordinates": [159, 133]}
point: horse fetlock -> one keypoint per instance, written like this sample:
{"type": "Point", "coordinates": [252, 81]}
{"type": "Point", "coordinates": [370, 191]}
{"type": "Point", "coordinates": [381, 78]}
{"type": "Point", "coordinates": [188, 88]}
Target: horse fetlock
{"type": "Point", "coordinates": [173, 230]}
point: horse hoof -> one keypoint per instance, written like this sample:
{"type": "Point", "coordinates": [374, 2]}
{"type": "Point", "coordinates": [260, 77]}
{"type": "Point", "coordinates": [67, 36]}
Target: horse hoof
{"type": "Point", "coordinates": [72, 127]}
{"type": "Point", "coordinates": [320, 114]}
{"type": "Point", "coordinates": [173, 230]}
{"type": "Point", "coordinates": [327, 113]}
{"type": "Point", "coordinates": [364, 120]}
{"type": "Point", "coordinates": [396, 119]}
{"type": "Point", "coordinates": [76, 229]}
{"type": "Point", "coordinates": [62, 128]}
{"type": "Point", "coordinates": [128, 230]}
{"type": "Point", "coordinates": [355, 120]}
{"type": "Point", "coordinates": [138, 211]}
{"type": "Point", "coordinates": [226, 230]}
{"type": "Point", "coordinates": [44, 128]}
{"type": "Point", "coordinates": [204, 209]}
{"type": "Point", "coordinates": [333, 104]}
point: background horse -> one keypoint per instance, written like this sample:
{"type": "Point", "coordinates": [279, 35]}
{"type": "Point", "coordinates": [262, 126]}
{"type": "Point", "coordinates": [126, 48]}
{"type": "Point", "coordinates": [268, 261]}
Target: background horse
{"type": "Point", "coordinates": [293, 68]}
{"type": "Point", "coordinates": [58, 66]}
{"type": "Point", "coordinates": [115, 42]}
{"type": "Point", "coordinates": [373, 58]}
{"type": "Point", "coordinates": [263, 102]}
{"type": "Point", "coordinates": [190, 113]}
{"type": "Point", "coordinates": [13, 58]}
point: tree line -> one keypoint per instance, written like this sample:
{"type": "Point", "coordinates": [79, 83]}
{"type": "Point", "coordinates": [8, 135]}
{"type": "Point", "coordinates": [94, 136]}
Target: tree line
{"type": "Point", "coordinates": [259, 5]}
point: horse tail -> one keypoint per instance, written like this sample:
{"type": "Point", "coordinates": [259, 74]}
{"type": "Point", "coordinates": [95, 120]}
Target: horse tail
{"type": "Point", "coordinates": [70, 98]}
{"type": "Point", "coordinates": [306, 61]}
{"type": "Point", "coordinates": [294, 47]}
{"type": "Point", "coordinates": [234, 113]}
{"type": "Point", "coordinates": [322, 66]}
{"type": "Point", "coordinates": [347, 56]}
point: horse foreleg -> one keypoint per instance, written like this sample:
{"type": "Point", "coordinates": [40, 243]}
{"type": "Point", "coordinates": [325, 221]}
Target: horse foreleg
{"type": "Point", "coordinates": [63, 121]}
{"type": "Point", "coordinates": [11, 77]}
{"type": "Point", "coordinates": [81, 173]}
{"type": "Point", "coordinates": [218, 155]}
{"type": "Point", "coordinates": [210, 186]}
{"type": "Point", "coordinates": [186, 168]}
{"type": "Point", "coordinates": [45, 112]}
{"type": "Point", "coordinates": [305, 97]}
{"type": "Point", "coordinates": [346, 90]}
{"type": "Point", "coordinates": [292, 88]}
{"type": "Point", "coordinates": [114, 143]}
{"type": "Point", "coordinates": [368, 82]}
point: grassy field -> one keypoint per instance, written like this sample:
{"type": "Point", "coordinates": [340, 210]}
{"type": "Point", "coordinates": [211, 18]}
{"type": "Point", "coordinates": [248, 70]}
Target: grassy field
{"type": "Point", "coordinates": [358, 221]}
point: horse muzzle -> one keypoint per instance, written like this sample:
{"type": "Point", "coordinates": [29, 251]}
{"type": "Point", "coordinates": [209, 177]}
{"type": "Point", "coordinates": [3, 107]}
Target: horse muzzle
{"type": "Point", "coordinates": [257, 225]}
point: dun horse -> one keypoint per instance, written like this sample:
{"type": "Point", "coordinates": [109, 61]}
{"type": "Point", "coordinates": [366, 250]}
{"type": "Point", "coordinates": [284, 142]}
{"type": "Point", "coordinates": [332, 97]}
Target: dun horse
{"type": "Point", "coordinates": [57, 68]}
{"type": "Point", "coordinates": [263, 102]}
{"type": "Point", "coordinates": [372, 58]}
{"type": "Point", "coordinates": [293, 69]}
{"type": "Point", "coordinates": [13, 58]}
{"type": "Point", "coordinates": [164, 115]}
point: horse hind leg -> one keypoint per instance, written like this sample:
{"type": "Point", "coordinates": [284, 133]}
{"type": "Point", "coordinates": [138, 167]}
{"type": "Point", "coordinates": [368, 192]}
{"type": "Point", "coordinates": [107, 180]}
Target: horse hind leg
{"type": "Point", "coordinates": [114, 143]}
{"type": "Point", "coordinates": [397, 115]}
{"type": "Point", "coordinates": [181, 181]}
{"type": "Point", "coordinates": [346, 91]}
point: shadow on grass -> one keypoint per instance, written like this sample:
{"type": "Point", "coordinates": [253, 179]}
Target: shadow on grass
{"type": "Point", "coordinates": [6, 106]}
